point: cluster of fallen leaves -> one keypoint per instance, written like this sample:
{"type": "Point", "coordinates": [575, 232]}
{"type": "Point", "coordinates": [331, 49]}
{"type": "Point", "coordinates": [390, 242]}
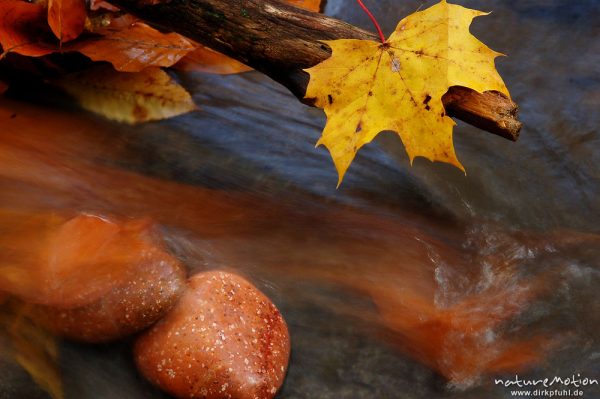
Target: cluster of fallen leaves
{"type": "Point", "coordinates": [365, 87]}
{"type": "Point", "coordinates": [133, 88]}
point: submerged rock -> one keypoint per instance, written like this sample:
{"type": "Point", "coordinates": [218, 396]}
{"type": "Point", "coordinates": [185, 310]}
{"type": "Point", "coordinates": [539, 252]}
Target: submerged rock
{"type": "Point", "coordinates": [106, 279]}
{"type": "Point", "coordinates": [223, 339]}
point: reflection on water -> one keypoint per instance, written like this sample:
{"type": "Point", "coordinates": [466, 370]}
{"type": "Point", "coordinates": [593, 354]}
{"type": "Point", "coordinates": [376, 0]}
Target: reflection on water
{"type": "Point", "coordinates": [399, 277]}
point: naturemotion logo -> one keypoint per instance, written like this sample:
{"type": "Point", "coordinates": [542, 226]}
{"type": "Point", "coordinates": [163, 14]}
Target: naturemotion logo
{"type": "Point", "coordinates": [564, 387]}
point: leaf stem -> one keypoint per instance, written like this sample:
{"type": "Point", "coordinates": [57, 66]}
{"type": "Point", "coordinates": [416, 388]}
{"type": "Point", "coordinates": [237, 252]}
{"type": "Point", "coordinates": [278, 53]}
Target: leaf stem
{"type": "Point", "coordinates": [379, 31]}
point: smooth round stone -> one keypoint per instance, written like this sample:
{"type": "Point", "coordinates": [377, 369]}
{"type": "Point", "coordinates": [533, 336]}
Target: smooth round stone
{"type": "Point", "coordinates": [107, 279]}
{"type": "Point", "coordinates": [223, 339]}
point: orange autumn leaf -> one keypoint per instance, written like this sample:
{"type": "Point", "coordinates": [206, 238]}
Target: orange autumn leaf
{"type": "Point", "coordinates": [129, 47]}
{"type": "Point", "coordinates": [24, 30]}
{"type": "Point", "coordinates": [135, 47]}
{"type": "Point", "coordinates": [310, 5]}
{"type": "Point", "coordinates": [204, 59]}
{"type": "Point", "coordinates": [66, 18]}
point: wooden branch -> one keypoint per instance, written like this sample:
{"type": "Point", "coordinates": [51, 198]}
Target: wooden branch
{"type": "Point", "coordinates": [280, 40]}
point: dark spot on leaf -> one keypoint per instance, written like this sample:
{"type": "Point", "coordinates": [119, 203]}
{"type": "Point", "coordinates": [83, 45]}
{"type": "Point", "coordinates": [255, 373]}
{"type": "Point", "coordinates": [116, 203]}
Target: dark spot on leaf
{"type": "Point", "coordinates": [426, 102]}
{"type": "Point", "coordinates": [370, 93]}
{"type": "Point", "coordinates": [358, 128]}
{"type": "Point", "coordinates": [330, 99]}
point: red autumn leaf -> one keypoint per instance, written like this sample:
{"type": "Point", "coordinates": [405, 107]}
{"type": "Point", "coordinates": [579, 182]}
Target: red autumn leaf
{"type": "Point", "coordinates": [135, 47]}
{"type": "Point", "coordinates": [66, 18]}
{"type": "Point", "coordinates": [24, 30]}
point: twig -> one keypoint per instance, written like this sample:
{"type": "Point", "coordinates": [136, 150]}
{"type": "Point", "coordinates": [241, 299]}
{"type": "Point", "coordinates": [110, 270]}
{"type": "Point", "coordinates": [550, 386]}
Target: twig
{"type": "Point", "coordinates": [280, 41]}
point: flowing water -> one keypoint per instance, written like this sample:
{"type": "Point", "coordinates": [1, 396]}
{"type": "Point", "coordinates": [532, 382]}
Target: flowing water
{"type": "Point", "coordinates": [404, 283]}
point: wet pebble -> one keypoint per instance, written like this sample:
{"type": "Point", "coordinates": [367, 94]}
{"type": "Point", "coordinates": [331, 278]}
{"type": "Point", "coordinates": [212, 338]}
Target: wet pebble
{"type": "Point", "coordinates": [141, 281]}
{"type": "Point", "coordinates": [223, 339]}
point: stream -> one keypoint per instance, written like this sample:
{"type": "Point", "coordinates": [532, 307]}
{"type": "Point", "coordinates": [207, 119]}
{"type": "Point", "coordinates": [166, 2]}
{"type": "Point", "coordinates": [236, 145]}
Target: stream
{"type": "Point", "coordinates": [406, 282]}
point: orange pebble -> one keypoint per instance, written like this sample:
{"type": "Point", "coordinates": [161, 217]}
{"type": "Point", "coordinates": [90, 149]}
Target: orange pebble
{"type": "Point", "coordinates": [105, 280]}
{"type": "Point", "coordinates": [223, 339]}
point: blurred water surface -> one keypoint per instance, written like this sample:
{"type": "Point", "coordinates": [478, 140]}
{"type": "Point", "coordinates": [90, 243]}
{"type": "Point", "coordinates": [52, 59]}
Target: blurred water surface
{"type": "Point", "coordinates": [407, 282]}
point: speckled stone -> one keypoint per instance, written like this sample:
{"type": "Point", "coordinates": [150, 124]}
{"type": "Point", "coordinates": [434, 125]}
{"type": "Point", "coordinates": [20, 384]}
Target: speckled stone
{"type": "Point", "coordinates": [124, 310]}
{"type": "Point", "coordinates": [223, 339]}
{"type": "Point", "coordinates": [142, 282]}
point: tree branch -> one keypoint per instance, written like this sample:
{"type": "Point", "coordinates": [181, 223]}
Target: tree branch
{"type": "Point", "coordinates": [280, 41]}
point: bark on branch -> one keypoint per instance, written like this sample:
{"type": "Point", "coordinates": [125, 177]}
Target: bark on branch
{"type": "Point", "coordinates": [280, 40]}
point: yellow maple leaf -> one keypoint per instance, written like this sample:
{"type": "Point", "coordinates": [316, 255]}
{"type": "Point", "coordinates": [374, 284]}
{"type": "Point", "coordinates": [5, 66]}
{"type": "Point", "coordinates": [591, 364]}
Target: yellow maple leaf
{"type": "Point", "coordinates": [366, 87]}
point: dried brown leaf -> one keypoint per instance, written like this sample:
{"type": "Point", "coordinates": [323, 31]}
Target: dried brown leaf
{"type": "Point", "coordinates": [128, 97]}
